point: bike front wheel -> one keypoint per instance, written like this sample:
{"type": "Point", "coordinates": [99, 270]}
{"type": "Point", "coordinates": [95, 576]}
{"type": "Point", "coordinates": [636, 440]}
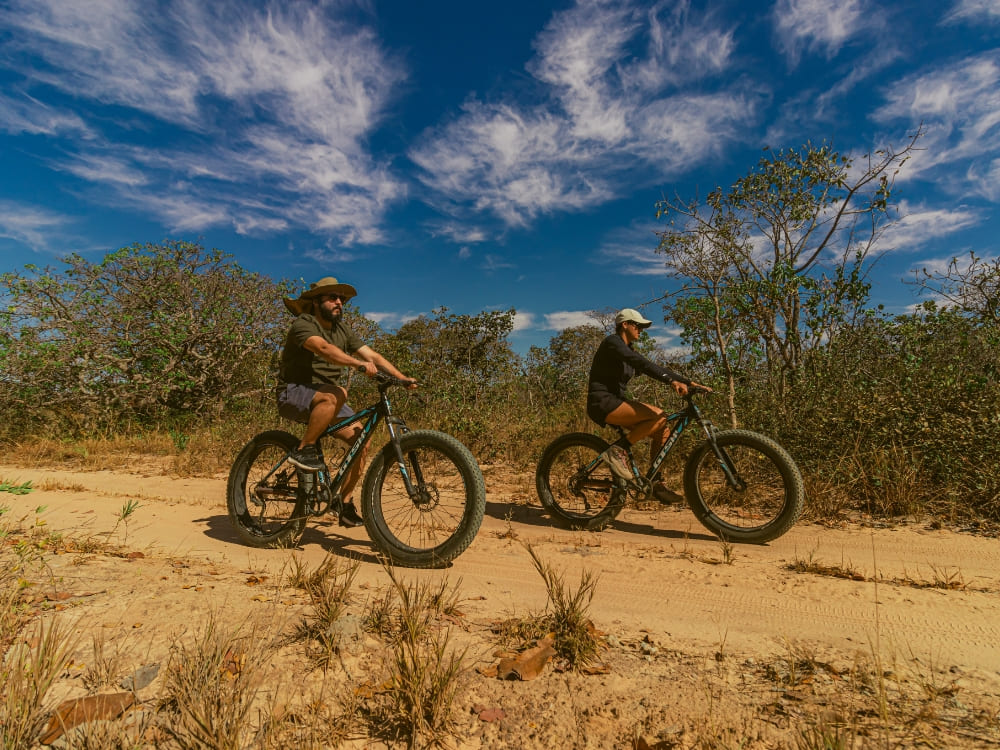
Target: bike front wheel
{"type": "Point", "coordinates": [436, 524]}
{"type": "Point", "coordinates": [263, 497]}
{"type": "Point", "coordinates": [768, 495]}
{"type": "Point", "coordinates": [574, 487]}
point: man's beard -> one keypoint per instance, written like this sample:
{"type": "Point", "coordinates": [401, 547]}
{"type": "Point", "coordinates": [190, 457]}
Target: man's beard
{"type": "Point", "coordinates": [330, 316]}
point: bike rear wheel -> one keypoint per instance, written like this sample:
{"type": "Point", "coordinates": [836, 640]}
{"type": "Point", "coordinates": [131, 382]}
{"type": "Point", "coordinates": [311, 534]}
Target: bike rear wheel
{"type": "Point", "coordinates": [769, 500]}
{"type": "Point", "coordinates": [265, 504]}
{"type": "Point", "coordinates": [440, 522]}
{"type": "Point", "coordinates": [576, 491]}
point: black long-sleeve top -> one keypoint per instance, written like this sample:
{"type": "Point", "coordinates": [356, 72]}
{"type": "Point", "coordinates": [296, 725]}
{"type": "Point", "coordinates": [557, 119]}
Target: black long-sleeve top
{"type": "Point", "coordinates": [615, 364]}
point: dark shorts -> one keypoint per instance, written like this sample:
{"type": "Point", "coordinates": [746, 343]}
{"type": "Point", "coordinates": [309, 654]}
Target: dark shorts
{"type": "Point", "coordinates": [295, 399]}
{"type": "Point", "coordinates": [600, 404]}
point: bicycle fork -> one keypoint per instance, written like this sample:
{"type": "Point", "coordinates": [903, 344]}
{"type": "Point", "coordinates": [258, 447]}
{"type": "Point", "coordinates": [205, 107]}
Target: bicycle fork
{"type": "Point", "coordinates": [417, 491]}
{"type": "Point", "coordinates": [725, 462]}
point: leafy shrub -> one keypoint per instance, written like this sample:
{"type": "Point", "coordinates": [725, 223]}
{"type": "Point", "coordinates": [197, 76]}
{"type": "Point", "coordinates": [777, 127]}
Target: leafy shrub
{"type": "Point", "coordinates": [149, 333]}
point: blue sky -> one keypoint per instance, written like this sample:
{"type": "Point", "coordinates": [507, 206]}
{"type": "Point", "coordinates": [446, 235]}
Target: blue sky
{"type": "Point", "coordinates": [476, 156]}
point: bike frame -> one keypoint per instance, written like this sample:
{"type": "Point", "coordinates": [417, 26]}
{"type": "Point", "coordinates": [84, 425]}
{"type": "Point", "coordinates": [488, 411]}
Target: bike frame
{"type": "Point", "coordinates": [369, 418]}
{"type": "Point", "coordinates": [679, 422]}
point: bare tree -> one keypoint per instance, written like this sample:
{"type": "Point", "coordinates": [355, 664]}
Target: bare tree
{"type": "Point", "coordinates": [970, 284]}
{"type": "Point", "coordinates": [778, 262]}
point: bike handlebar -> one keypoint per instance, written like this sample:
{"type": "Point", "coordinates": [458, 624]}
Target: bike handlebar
{"type": "Point", "coordinates": [386, 380]}
{"type": "Point", "coordinates": [696, 390]}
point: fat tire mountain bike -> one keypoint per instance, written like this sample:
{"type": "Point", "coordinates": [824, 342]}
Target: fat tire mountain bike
{"type": "Point", "coordinates": [422, 498]}
{"type": "Point", "coordinates": [741, 486]}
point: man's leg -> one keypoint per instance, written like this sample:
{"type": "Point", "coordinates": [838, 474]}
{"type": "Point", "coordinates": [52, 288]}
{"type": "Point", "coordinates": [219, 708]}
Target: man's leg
{"type": "Point", "coordinates": [349, 435]}
{"type": "Point", "coordinates": [641, 420]}
{"type": "Point", "coordinates": [646, 420]}
{"type": "Point", "coordinates": [322, 411]}
{"type": "Point", "coordinates": [317, 408]}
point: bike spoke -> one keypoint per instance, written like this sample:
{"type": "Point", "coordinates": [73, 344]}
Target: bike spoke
{"type": "Point", "coordinates": [763, 497]}
{"type": "Point", "coordinates": [435, 514]}
{"type": "Point", "coordinates": [275, 491]}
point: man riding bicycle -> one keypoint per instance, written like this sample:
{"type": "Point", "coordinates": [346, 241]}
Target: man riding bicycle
{"type": "Point", "coordinates": [615, 364]}
{"type": "Point", "coordinates": [318, 351]}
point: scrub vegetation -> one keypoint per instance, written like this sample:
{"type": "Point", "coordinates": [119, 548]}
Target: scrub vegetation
{"type": "Point", "coordinates": [171, 349]}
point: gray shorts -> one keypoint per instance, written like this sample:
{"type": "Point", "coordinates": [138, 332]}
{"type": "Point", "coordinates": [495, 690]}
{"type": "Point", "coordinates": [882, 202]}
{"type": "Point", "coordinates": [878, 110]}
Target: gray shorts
{"type": "Point", "coordinates": [295, 399]}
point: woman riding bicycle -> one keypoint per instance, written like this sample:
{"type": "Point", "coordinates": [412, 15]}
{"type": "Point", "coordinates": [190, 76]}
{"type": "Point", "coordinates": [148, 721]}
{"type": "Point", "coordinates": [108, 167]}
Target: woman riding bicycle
{"type": "Point", "coordinates": [615, 364]}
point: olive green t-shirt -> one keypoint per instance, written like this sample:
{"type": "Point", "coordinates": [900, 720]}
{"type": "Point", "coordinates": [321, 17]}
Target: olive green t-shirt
{"type": "Point", "coordinates": [299, 365]}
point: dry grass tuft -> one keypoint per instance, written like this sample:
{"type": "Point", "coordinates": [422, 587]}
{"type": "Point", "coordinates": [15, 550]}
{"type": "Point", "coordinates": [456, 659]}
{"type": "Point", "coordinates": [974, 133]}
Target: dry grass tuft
{"type": "Point", "coordinates": [329, 590]}
{"type": "Point", "coordinates": [106, 664]}
{"type": "Point", "coordinates": [575, 638]}
{"type": "Point", "coordinates": [812, 565]}
{"type": "Point", "coordinates": [425, 670]}
{"type": "Point", "coordinates": [27, 675]}
{"type": "Point", "coordinates": [211, 685]}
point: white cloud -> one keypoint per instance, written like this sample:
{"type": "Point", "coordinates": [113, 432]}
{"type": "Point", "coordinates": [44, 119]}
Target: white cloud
{"type": "Point", "coordinates": [25, 114]}
{"type": "Point", "coordinates": [106, 170]}
{"type": "Point", "coordinates": [523, 321]}
{"type": "Point", "coordinates": [316, 87]}
{"type": "Point", "coordinates": [919, 225]}
{"type": "Point", "coordinates": [681, 48]}
{"type": "Point", "coordinates": [817, 25]}
{"type": "Point", "coordinates": [459, 233]}
{"type": "Point", "coordinates": [959, 105]}
{"type": "Point", "coordinates": [390, 320]}
{"type": "Point", "coordinates": [811, 107]}
{"type": "Point", "coordinates": [554, 321]}
{"type": "Point", "coordinates": [559, 321]}
{"type": "Point", "coordinates": [632, 250]}
{"type": "Point", "coordinates": [38, 228]}
{"type": "Point", "coordinates": [985, 179]}
{"type": "Point", "coordinates": [608, 115]}
{"type": "Point", "coordinates": [514, 164]}
{"type": "Point", "coordinates": [493, 262]}
{"type": "Point", "coordinates": [974, 11]}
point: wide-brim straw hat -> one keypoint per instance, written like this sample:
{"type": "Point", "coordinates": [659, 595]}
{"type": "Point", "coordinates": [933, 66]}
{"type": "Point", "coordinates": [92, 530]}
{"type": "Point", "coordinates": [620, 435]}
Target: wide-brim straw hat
{"type": "Point", "coordinates": [326, 285]}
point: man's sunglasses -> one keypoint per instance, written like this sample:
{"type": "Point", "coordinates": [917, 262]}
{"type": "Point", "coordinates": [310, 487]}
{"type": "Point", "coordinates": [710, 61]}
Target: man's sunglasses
{"type": "Point", "coordinates": [341, 297]}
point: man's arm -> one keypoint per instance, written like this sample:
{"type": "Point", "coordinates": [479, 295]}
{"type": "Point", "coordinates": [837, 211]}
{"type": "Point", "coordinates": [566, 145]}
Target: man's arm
{"type": "Point", "coordinates": [337, 356]}
{"type": "Point", "coordinates": [373, 357]}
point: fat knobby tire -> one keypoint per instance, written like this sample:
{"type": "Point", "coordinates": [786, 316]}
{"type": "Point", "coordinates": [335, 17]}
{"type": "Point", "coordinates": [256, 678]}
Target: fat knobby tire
{"type": "Point", "coordinates": [432, 534]}
{"type": "Point", "coordinates": [565, 455]}
{"type": "Point", "coordinates": [273, 443]}
{"type": "Point", "coordinates": [757, 530]}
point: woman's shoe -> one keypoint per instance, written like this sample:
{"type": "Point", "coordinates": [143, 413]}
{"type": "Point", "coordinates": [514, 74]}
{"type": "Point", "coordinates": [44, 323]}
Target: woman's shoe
{"type": "Point", "coordinates": [617, 460]}
{"type": "Point", "coordinates": [349, 516]}
{"type": "Point", "coordinates": [666, 495]}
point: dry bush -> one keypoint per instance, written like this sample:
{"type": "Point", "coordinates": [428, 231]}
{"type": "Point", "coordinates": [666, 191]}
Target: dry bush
{"type": "Point", "coordinates": [211, 685]}
{"type": "Point", "coordinates": [95, 453]}
{"type": "Point", "coordinates": [575, 637]}
{"type": "Point", "coordinates": [26, 675]}
{"type": "Point", "coordinates": [208, 449]}
{"type": "Point", "coordinates": [890, 482]}
{"type": "Point", "coordinates": [425, 669]}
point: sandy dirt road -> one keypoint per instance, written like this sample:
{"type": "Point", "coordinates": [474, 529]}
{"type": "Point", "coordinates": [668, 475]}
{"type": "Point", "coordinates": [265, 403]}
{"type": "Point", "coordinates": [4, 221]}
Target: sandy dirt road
{"type": "Point", "coordinates": [932, 594]}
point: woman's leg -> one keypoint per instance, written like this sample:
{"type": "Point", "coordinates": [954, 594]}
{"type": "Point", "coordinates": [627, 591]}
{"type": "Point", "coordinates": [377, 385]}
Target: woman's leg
{"type": "Point", "coordinates": [641, 420]}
